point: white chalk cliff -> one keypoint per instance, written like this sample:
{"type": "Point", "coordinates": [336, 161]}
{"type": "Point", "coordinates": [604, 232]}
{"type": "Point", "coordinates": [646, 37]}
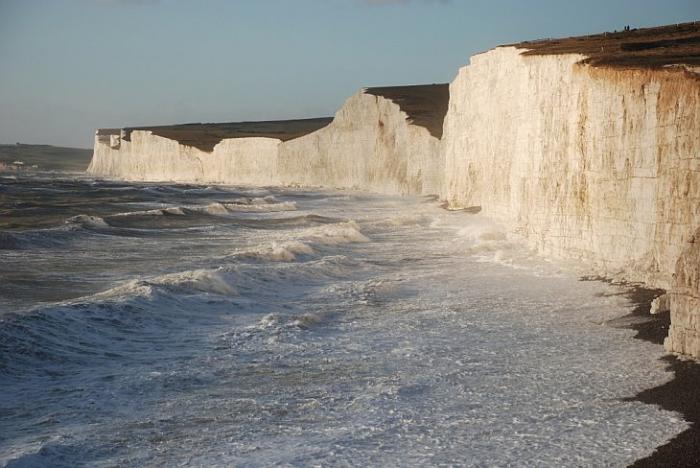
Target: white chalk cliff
{"type": "Point", "coordinates": [371, 144]}
{"type": "Point", "coordinates": [596, 164]}
{"type": "Point", "coordinates": [149, 157]}
{"type": "Point", "coordinates": [587, 161]}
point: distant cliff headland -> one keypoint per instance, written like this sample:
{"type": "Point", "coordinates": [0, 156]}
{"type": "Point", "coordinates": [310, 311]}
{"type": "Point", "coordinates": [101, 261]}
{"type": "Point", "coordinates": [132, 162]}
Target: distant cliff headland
{"type": "Point", "coordinates": [589, 147]}
{"type": "Point", "coordinates": [23, 157]}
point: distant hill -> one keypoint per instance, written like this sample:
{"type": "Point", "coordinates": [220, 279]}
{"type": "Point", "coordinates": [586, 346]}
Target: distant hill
{"type": "Point", "coordinates": [45, 157]}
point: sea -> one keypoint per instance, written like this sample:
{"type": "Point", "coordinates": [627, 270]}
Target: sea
{"type": "Point", "coordinates": [160, 324]}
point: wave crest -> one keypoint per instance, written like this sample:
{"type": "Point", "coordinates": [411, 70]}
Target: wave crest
{"type": "Point", "coordinates": [216, 281]}
{"type": "Point", "coordinates": [335, 234]}
{"type": "Point", "coordinates": [87, 221]}
{"type": "Point", "coordinates": [277, 252]}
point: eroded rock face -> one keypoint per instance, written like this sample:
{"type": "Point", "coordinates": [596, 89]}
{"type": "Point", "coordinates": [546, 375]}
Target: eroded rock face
{"type": "Point", "coordinates": [596, 164]}
{"type": "Point", "coordinates": [149, 157]}
{"type": "Point", "coordinates": [684, 333]}
{"type": "Point", "coordinates": [371, 144]}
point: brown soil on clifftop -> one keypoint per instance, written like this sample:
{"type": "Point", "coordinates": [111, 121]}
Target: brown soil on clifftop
{"type": "Point", "coordinates": [677, 44]}
{"type": "Point", "coordinates": [425, 105]}
{"type": "Point", "coordinates": [205, 136]}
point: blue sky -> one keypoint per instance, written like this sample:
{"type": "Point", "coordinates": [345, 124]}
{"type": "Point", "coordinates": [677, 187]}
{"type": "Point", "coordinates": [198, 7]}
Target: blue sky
{"type": "Point", "coordinates": [68, 67]}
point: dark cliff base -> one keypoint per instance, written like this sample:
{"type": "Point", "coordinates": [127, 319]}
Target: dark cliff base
{"type": "Point", "coordinates": [681, 394]}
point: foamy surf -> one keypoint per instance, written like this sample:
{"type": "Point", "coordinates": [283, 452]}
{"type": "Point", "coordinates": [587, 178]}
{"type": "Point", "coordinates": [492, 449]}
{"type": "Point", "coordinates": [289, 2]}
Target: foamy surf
{"type": "Point", "coordinates": [261, 207]}
{"type": "Point", "coordinates": [229, 326]}
{"type": "Point", "coordinates": [286, 251]}
{"type": "Point", "coordinates": [174, 210]}
{"type": "Point", "coordinates": [87, 221]}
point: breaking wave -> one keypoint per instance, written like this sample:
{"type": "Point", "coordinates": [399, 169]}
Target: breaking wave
{"type": "Point", "coordinates": [87, 222]}
{"type": "Point", "coordinates": [287, 251]}
{"type": "Point", "coordinates": [175, 210]}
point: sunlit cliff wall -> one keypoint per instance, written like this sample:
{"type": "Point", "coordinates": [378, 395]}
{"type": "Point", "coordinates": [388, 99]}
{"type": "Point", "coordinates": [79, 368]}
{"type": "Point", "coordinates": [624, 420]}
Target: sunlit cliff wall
{"type": "Point", "coordinates": [371, 144]}
{"type": "Point", "coordinates": [148, 157]}
{"type": "Point", "coordinates": [596, 164]}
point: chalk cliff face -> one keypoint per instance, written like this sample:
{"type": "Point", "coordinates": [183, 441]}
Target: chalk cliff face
{"type": "Point", "coordinates": [596, 164]}
{"type": "Point", "coordinates": [149, 157]}
{"type": "Point", "coordinates": [684, 333]}
{"type": "Point", "coordinates": [371, 144]}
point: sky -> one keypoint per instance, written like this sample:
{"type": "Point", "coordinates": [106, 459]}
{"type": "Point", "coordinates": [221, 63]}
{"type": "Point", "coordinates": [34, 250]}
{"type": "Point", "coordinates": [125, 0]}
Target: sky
{"type": "Point", "coordinates": [68, 67]}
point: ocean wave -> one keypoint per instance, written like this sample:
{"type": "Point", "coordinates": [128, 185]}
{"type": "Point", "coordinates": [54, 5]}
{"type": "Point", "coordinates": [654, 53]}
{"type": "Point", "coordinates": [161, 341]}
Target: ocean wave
{"type": "Point", "coordinates": [271, 327]}
{"type": "Point", "coordinates": [120, 320]}
{"type": "Point", "coordinates": [222, 209]}
{"type": "Point", "coordinates": [404, 219]}
{"type": "Point", "coordinates": [51, 237]}
{"type": "Point", "coordinates": [270, 199]}
{"type": "Point", "coordinates": [215, 208]}
{"type": "Point", "coordinates": [175, 210]}
{"type": "Point", "coordinates": [87, 221]}
{"type": "Point", "coordinates": [279, 321]}
{"type": "Point", "coordinates": [38, 239]}
{"type": "Point", "coordinates": [77, 332]}
{"type": "Point", "coordinates": [212, 281]}
{"type": "Point", "coordinates": [261, 207]}
{"type": "Point", "coordinates": [302, 245]}
{"type": "Point", "coordinates": [335, 234]}
{"type": "Point", "coordinates": [287, 251]}
{"type": "Point", "coordinates": [488, 242]}
{"type": "Point", "coordinates": [267, 204]}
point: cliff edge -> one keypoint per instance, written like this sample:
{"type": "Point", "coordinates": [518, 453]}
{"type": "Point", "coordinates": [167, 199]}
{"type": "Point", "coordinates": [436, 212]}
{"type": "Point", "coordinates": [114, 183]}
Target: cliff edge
{"type": "Point", "coordinates": [381, 139]}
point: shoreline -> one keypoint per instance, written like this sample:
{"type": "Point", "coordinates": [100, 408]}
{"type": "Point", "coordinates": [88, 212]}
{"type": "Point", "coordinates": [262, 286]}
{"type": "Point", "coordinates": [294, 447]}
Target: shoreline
{"type": "Point", "coordinates": [679, 394]}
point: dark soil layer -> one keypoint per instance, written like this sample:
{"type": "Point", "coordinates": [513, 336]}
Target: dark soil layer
{"type": "Point", "coordinates": [637, 48]}
{"type": "Point", "coordinates": [205, 136]}
{"type": "Point", "coordinates": [682, 394]}
{"type": "Point", "coordinates": [425, 105]}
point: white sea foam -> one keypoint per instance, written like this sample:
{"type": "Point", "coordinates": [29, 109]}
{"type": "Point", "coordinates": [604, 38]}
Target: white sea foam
{"type": "Point", "coordinates": [287, 251]}
{"type": "Point", "coordinates": [215, 208]}
{"type": "Point", "coordinates": [335, 234]}
{"type": "Point", "coordinates": [261, 207]}
{"type": "Point", "coordinates": [216, 281]}
{"type": "Point", "coordinates": [406, 335]}
{"type": "Point", "coordinates": [87, 221]}
{"type": "Point", "coordinates": [173, 210]}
